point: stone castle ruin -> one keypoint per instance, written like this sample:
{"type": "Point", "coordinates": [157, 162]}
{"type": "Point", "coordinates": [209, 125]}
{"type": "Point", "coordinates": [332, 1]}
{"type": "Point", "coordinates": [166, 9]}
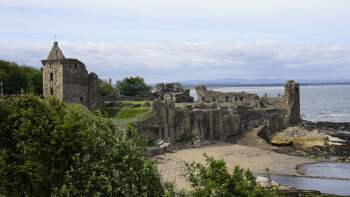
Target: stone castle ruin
{"type": "Point", "coordinates": [173, 92]}
{"type": "Point", "coordinates": [210, 122]}
{"type": "Point", "coordinates": [68, 80]}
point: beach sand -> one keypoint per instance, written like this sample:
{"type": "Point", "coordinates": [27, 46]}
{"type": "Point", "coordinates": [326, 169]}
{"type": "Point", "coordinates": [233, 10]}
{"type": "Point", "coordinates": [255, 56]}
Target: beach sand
{"type": "Point", "coordinates": [250, 152]}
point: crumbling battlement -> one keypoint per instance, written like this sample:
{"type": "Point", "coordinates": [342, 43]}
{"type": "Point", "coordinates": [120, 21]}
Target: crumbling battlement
{"type": "Point", "coordinates": [238, 98]}
{"type": "Point", "coordinates": [172, 92]}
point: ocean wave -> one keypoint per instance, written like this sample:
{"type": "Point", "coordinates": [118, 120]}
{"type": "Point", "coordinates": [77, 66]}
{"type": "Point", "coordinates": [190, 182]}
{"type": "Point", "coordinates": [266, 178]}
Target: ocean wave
{"type": "Point", "coordinates": [327, 117]}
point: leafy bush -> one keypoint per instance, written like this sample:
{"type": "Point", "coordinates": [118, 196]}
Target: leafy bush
{"type": "Point", "coordinates": [48, 150]}
{"type": "Point", "coordinates": [214, 180]}
{"type": "Point", "coordinates": [111, 165]}
{"type": "Point", "coordinates": [37, 142]}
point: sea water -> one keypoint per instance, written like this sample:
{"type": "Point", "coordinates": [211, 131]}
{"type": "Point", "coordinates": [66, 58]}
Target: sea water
{"type": "Point", "coordinates": [327, 103]}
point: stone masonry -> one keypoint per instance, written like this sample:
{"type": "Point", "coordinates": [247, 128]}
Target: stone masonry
{"type": "Point", "coordinates": [173, 92]}
{"type": "Point", "coordinates": [210, 123]}
{"type": "Point", "coordinates": [68, 80]}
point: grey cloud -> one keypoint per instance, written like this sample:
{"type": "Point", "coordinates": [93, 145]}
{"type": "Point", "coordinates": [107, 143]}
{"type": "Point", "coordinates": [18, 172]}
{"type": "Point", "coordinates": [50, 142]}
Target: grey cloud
{"type": "Point", "coordinates": [172, 61]}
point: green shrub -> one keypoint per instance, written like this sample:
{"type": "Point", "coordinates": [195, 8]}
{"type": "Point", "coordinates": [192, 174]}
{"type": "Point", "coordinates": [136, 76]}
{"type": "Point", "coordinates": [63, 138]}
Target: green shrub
{"type": "Point", "coordinates": [48, 150]}
{"type": "Point", "coordinates": [214, 180]}
{"type": "Point", "coordinates": [37, 142]}
{"type": "Point", "coordinates": [111, 165]}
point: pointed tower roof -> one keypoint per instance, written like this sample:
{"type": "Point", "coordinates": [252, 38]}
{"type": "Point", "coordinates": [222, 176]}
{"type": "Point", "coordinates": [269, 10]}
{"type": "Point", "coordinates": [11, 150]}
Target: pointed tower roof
{"type": "Point", "coordinates": [56, 53]}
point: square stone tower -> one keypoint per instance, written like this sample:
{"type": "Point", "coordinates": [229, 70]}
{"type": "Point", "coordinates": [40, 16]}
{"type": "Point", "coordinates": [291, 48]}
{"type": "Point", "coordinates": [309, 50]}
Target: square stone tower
{"type": "Point", "coordinates": [68, 80]}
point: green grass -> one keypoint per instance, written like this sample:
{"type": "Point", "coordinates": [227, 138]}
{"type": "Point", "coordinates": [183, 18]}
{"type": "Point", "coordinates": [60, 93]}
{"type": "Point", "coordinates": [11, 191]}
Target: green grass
{"type": "Point", "coordinates": [129, 113]}
{"type": "Point", "coordinates": [138, 102]}
{"type": "Point", "coordinates": [87, 115]}
{"type": "Point", "coordinates": [112, 111]}
{"type": "Point", "coordinates": [138, 117]}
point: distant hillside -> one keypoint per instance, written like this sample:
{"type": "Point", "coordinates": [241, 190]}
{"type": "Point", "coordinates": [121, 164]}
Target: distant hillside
{"type": "Point", "coordinates": [227, 82]}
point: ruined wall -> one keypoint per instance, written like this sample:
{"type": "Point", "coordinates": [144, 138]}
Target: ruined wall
{"type": "Point", "coordinates": [94, 93]}
{"type": "Point", "coordinates": [75, 82]}
{"type": "Point", "coordinates": [179, 97]}
{"type": "Point", "coordinates": [52, 79]}
{"type": "Point", "coordinates": [209, 124]}
{"type": "Point", "coordinates": [212, 123]}
{"type": "Point", "coordinates": [172, 92]}
{"type": "Point", "coordinates": [68, 80]}
{"type": "Point", "coordinates": [237, 98]}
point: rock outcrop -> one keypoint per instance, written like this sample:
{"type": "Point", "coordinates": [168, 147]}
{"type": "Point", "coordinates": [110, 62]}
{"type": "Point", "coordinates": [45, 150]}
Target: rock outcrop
{"type": "Point", "coordinates": [298, 136]}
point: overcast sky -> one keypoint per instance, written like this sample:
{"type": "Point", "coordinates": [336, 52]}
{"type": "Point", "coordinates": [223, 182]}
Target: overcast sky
{"type": "Point", "coordinates": [176, 40]}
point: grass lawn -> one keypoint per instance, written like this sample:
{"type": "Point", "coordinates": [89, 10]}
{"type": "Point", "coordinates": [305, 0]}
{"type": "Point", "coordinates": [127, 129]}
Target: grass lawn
{"type": "Point", "coordinates": [128, 115]}
{"type": "Point", "coordinates": [112, 111]}
{"type": "Point", "coordinates": [87, 115]}
{"type": "Point", "coordinates": [138, 102]}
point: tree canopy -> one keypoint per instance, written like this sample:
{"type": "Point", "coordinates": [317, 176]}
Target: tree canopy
{"type": "Point", "coordinates": [17, 79]}
{"type": "Point", "coordinates": [106, 89]}
{"type": "Point", "coordinates": [132, 86]}
{"type": "Point", "coordinates": [48, 150]}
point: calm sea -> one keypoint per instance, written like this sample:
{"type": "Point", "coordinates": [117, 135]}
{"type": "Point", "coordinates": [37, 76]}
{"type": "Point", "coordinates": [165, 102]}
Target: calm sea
{"type": "Point", "coordinates": [330, 103]}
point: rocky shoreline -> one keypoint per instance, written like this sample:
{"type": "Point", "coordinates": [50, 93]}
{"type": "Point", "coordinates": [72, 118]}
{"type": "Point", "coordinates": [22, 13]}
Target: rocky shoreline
{"type": "Point", "coordinates": [338, 150]}
{"type": "Point", "coordinates": [251, 150]}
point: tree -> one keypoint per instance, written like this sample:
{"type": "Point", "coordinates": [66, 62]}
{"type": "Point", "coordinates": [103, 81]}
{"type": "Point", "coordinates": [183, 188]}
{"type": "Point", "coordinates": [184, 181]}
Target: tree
{"type": "Point", "coordinates": [132, 86]}
{"type": "Point", "coordinates": [17, 79]}
{"type": "Point", "coordinates": [111, 165]}
{"type": "Point", "coordinates": [214, 180]}
{"type": "Point", "coordinates": [48, 150]}
{"type": "Point", "coordinates": [107, 88]}
{"type": "Point", "coordinates": [38, 140]}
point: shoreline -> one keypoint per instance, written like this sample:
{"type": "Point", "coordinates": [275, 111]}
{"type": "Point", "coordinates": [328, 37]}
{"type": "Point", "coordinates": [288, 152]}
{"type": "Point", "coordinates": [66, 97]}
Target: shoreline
{"type": "Point", "coordinates": [250, 152]}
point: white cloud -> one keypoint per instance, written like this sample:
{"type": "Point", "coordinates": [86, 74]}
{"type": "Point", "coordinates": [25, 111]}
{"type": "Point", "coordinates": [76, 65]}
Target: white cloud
{"type": "Point", "coordinates": [177, 60]}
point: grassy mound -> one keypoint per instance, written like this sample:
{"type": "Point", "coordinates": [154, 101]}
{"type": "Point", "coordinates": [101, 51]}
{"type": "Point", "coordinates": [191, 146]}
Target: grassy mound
{"type": "Point", "coordinates": [87, 115]}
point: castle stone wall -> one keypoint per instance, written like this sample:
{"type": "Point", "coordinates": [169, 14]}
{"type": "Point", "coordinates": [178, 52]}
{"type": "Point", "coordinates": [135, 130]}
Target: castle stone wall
{"type": "Point", "coordinates": [68, 80]}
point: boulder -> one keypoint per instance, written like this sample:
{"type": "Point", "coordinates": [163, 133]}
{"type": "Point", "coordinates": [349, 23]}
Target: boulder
{"type": "Point", "coordinates": [147, 104]}
{"type": "Point", "coordinates": [265, 182]}
{"type": "Point", "coordinates": [298, 136]}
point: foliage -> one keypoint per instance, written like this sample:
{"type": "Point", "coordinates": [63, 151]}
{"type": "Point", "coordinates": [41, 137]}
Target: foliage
{"type": "Point", "coordinates": [129, 113]}
{"type": "Point", "coordinates": [214, 180]}
{"type": "Point", "coordinates": [111, 165]}
{"type": "Point", "coordinates": [107, 88]}
{"type": "Point", "coordinates": [20, 78]}
{"type": "Point", "coordinates": [132, 86]}
{"type": "Point", "coordinates": [47, 149]}
{"type": "Point", "coordinates": [36, 145]}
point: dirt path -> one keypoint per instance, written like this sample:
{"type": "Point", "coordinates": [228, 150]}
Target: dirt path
{"type": "Point", "coordinates": [250, 152]}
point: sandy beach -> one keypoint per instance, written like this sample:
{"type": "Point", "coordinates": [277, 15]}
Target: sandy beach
{"type": "Point", "coordinates": [250, 152]}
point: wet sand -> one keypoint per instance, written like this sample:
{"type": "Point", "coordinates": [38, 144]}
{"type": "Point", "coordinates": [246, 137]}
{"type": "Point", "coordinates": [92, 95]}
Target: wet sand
{"type": "Point", "coordinates": [250, 152]}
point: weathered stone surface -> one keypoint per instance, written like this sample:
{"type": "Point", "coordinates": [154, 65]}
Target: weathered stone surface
{"type": "Point", "coordinates": [265, 182]}
{"type": "Point", "coordinates": [239, 98]}
{"type": "Point", "coordinates": [172, 92]}
{"type": "Point", "coordinates": [147, 104]}
{"type": "Point", "coordinates": [298, 136]}
{"type": "Point", "coordinates": [211, 122]}
{"type": "Point", "coordinates": [69, 81]}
